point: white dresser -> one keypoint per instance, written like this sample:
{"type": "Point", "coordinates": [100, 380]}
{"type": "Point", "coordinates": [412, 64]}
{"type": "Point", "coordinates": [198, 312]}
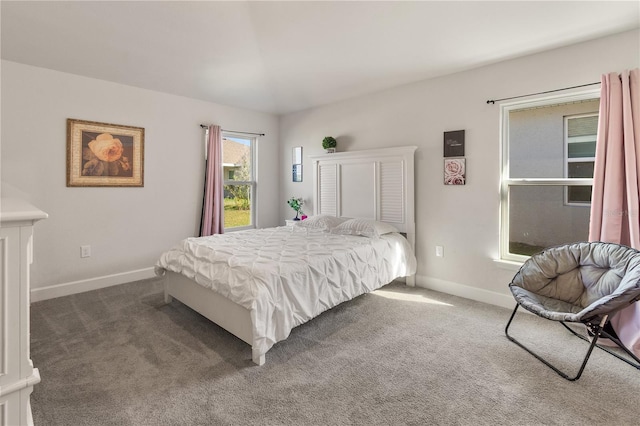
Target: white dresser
{"type": "Point", "coordinates": [17, 375]}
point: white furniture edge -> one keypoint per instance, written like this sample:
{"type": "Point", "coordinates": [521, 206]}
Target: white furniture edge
{"type": "Point", "coordinates": [19, 212]}
{"type": "Point", "coordinates": [229, 315]}
{"type": "Point", "coordinates": [17, 373]}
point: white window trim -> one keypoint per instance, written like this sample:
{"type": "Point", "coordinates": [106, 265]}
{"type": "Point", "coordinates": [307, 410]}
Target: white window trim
{"type": "Point", "coordinates": [506, 182]}
{"type": "Point", "coordinates": [250, 183]}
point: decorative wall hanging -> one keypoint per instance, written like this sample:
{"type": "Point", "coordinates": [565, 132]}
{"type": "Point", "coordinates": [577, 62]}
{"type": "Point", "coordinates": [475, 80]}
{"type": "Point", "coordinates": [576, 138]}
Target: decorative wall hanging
{"type": "Point", "coordinates": [101, 154]}
{"type": "Point", "coordinates": [297, 164]}
{"type": "Point", "coordinates": [297, 173]}
{"type": "Point", "coordinates": [454, 171]}
{"type": "Point", "coordinates": [454, 143]}
{"type": "Point", "coordinates": [297, 155]}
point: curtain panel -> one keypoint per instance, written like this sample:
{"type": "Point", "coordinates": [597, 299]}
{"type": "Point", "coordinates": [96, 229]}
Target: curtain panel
{"type": "Point", "coordinates": [615, 205]}
{"type": "Point", "coordinates": [212, 221]}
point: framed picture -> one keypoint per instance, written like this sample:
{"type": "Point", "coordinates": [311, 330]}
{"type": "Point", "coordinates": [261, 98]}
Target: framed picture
{"type": "Point", "coordinates": [297, 172]}
{"type": "Point", "coordinates": [454, 143]}
{"type": "Point", "coordinates": [101, 154]}
{"type": "Point", "coordinates": [455, 171]}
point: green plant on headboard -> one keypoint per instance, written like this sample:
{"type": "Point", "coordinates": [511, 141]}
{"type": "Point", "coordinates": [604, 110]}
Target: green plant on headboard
{"type": "Point", "coordinates": [329, 142]}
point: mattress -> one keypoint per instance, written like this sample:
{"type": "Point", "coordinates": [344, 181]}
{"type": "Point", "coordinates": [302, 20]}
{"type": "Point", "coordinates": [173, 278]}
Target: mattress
{"type": "Point", "coordinates": [287, 275]}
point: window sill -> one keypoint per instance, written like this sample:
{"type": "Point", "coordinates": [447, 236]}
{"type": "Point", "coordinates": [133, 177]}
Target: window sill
{"type": "Point", "coordinates": [508, 264]}
{"type": "Point", "coordinates": [238, 228]}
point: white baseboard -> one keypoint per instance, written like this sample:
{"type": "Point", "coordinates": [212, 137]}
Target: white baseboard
{"type": "Point", "coordinates": [449, 287]}
{"type": "Point", "coordinates": [504, 300]}
{"type": "Point", "coordinates": [66, 289]}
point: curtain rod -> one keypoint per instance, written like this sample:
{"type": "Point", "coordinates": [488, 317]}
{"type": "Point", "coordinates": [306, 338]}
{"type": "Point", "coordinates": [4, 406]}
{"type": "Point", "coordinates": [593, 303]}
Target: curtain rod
{"type": "Point", "coordinates": [204, 126]}
{"type": "Point", "coordinates": [493, 101]}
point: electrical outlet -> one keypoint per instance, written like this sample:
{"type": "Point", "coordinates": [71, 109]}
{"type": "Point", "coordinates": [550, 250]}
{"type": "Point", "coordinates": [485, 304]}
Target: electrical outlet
{"type": "Point", "coordinates": [85, 251]}
{"type": "Point", "coordinates": [439, 251]}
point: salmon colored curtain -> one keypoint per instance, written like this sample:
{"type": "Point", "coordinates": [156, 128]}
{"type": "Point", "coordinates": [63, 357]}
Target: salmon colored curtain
{"type": "Point", "coordinates": [212, 221]}
{"type": "Point", "coordinates": [615, 205]}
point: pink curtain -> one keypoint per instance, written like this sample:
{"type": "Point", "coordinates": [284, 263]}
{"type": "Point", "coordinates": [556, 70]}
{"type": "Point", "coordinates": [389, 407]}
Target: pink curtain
{"type": "Point", "coordinates": [212, 209]}
{"type": "Point", "coordinates": [615, 204]}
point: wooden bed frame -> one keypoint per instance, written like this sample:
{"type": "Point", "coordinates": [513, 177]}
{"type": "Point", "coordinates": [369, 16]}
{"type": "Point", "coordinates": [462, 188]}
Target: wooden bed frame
{"type": "Point", "coordinates": [375, 184]}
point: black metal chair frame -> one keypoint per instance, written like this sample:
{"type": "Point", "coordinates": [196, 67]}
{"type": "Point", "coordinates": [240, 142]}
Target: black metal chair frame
{"type": "Point", "coordinates": [596, 329]}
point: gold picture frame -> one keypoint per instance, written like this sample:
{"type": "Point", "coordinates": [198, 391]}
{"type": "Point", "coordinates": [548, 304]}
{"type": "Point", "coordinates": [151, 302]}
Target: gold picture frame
{"type": "Point", "coordinates": [102, 154]}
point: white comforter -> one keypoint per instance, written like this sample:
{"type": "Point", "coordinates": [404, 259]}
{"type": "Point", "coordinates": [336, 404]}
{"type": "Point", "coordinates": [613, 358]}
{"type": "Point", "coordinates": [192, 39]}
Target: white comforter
{"type": "Point", "coordinates": [287, 275]}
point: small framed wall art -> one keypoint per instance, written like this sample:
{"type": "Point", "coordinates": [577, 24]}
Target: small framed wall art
{"type": "Point", "coordinates": [297, 155]}
{"type": "Point", "coordinates": [101, 154]}
{"type": "Point", "coordinates": [296, 159]}
{"type": "Point", "coordinates": [454, 171]}
{"type": "Point", "coordinates": [454, 143]}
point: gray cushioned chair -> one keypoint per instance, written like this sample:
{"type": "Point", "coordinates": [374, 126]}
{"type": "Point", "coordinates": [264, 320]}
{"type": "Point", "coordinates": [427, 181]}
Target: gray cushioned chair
{"type": "Point", "coordinates": [579, 283]}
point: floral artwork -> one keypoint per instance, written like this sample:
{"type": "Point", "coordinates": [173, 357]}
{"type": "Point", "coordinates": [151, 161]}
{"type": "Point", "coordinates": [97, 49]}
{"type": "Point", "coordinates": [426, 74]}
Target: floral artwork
{"type": "Point", "coordinates": [100, 154]}
{"type": "Point", "coordinates": [454, 171]}
{"type": "Point", "coordinates": [103, 156]}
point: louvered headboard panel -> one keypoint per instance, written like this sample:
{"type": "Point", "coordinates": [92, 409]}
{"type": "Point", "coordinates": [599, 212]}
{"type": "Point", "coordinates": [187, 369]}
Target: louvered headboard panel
{"type": "Point", "coordinates": [376, 184]}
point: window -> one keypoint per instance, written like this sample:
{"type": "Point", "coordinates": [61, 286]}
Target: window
{"type": "Point", "coordinates": [547, 172]}
{"type": "Point", "coordinates": [238, 163]}
{"type": "Point", "coordinates": [580, 153]}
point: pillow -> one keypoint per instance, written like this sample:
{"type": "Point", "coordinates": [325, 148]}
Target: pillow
{"type": "Point", "coordinates": [323, 222]}
{"type": "Point", "coordinates": [365, 227]}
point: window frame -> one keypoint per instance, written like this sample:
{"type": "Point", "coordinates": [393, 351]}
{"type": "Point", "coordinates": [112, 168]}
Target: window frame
{"type": "Point", "coordinates": [251, 183]}
{"type": "Point", "coordinates": [506, 182]}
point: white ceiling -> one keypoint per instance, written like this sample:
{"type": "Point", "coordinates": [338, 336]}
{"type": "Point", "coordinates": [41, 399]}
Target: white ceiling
{"type": "Point", "coordinates": [281, 57]}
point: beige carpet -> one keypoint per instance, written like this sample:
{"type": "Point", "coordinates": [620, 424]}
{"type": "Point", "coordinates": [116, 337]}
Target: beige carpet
{"type": "Point", "coordinates": [120, 356]}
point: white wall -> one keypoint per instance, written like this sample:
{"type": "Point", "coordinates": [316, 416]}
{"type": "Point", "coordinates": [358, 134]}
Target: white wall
{"type": "Point", "coordinates": [127, 228]}
{"type": "Point", "coordinates": [463, 219]}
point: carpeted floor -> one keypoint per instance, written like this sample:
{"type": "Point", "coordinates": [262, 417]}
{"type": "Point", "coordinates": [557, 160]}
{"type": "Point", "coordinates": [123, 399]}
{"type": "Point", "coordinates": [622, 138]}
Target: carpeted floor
{"type": "Point", "coordinates": [120, 356]}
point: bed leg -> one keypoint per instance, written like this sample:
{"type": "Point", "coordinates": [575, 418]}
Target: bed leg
{"type": "Point", "coordinates": [257, 357]}
{"type": "Point", "coordinates": [411, 281]}
{"type": "Point", "coordinates": [167, 297]}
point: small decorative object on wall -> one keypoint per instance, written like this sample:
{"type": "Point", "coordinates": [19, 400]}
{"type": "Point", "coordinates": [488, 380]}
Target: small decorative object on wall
{"type": "Point", "coordinates": [329, 144]}
{"type": "Point", "coordinates": [297, 164]}
{"type": "Point", "coordinates": [296, 204]}
{"type": "Point", "coordinates": [454, 171]}
{"type": "Point", "coordinates": [454, 143]}
{"type": "Point", "coordinates": [297, 172]}
{"type": "Point", "coordinates": [101, 154]}
{"type": "Point", "coordinates": [297, 155]}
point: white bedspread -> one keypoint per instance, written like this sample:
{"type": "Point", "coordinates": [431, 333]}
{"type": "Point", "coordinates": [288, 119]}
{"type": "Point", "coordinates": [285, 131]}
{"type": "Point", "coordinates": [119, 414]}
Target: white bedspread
{"type": "Point", "coordinates": [288, 275]}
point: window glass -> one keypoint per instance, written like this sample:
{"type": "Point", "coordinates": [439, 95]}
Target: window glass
{"type": "Point", "coordinates": [539, 218]}
{"type": "Point", "coordinates": [537, 139]}
{"type": "Point", "coordinates": [548, 162]}
{"type": "Point", "coordinates": [239, 185]}
{"type": "Point", "coordinates": [581, 133]}
{"type": "Point", "coordinates": [582, 149]}
{"type": "Point", "coordinates": [581, 169]}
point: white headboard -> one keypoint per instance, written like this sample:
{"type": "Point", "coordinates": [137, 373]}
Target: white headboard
{"type": "Point", "coordinates": [376, 184]}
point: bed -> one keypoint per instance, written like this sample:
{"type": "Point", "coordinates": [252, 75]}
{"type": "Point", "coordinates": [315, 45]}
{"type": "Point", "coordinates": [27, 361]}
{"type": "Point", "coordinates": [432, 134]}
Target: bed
{"type": "Point", "coordinates": [260, 284]}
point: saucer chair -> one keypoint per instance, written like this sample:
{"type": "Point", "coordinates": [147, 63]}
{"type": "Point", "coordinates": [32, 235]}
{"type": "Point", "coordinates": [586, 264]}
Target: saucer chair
{"type": "Point", "coordinates": [579, 283]}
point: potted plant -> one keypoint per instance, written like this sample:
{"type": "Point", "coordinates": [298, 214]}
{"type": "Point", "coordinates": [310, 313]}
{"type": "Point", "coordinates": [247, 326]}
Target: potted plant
{"type": "Point", "coordinates": [296, 204]}
{"type": "Point", "coordinates": [329, 144]}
